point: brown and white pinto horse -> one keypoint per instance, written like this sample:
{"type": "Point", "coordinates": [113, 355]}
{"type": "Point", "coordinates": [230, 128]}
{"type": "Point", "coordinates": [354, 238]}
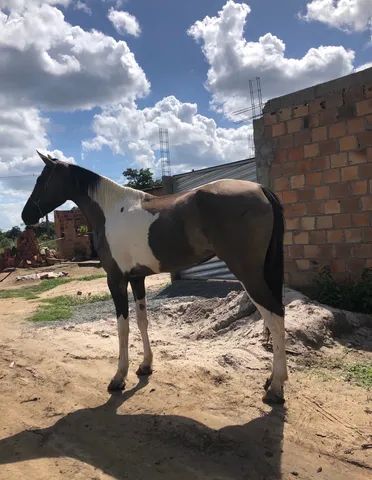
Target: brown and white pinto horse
{"type": "Point", "coordinates": [136, 234]}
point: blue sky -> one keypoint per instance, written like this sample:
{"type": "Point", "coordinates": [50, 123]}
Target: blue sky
{"type": "Point", "coordinates": [94, 91]}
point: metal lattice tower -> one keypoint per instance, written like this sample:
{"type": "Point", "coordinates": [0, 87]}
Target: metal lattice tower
{"type": "Point", "coordinates": [164, 152]}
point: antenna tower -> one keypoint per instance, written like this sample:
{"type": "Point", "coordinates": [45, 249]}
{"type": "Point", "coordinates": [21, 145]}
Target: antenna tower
{"type": "Point", "coordinates": [164, 152]}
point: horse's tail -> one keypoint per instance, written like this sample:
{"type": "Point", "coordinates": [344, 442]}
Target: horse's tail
{"type": "Point", "coordinates": [274, 261]}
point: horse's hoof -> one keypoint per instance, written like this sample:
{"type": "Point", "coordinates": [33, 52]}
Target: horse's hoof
{"type": "Point", "coordinates": [272, 398]}
{"type": "Point", "coordinates": [144, 370]}
{"type": "Point", "coordinates": [267, 383]}
{"type": "Point", "coordinates": [116, 385]}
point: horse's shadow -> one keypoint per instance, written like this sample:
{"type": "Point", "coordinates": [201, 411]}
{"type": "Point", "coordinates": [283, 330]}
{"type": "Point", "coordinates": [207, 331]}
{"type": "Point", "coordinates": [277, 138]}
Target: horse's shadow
{"type": "Point", "coordinates": [148, 446]}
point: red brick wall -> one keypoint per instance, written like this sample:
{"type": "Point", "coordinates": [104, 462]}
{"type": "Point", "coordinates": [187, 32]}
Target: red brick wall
{"type": "Point", "coordinates": [70, 243]}
{"type": "Point", "coordinates": [321, 169]}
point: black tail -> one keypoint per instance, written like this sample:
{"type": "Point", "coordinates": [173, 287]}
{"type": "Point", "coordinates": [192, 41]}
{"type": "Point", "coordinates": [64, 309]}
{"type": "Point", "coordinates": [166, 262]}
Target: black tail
{"type": "Point", "coordinates": [274, 261]}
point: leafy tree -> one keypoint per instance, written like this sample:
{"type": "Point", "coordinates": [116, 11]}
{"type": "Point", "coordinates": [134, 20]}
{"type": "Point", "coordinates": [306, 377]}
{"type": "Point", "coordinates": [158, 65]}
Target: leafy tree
{"type": "Point", "coordinates": [13, 233]}
{"type": "Point", "coordinates": [141, 179]}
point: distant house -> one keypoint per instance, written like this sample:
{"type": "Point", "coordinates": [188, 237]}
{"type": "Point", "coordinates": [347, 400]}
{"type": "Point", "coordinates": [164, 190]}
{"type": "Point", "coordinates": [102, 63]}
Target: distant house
{"type": "Point", "coordinates": [73, 232]}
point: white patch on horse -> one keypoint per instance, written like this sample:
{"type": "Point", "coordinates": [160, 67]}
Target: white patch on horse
{"type": "Point", "coordinates": [127, 225]}
{"type": "Point", "coordinates": [142, 322]}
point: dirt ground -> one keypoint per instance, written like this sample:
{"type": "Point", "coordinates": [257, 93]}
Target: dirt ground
{"type": "Point", "coordinates": [200, 415]}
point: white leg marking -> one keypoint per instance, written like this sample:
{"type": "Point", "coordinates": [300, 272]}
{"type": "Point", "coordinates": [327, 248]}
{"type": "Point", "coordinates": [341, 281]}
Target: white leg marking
{"type": "Point", "coordinates": [275, 323]}
{"type": "Point", "coordinates": [123, 364]}
{"type": "Point", "coordinates": [141, 312]}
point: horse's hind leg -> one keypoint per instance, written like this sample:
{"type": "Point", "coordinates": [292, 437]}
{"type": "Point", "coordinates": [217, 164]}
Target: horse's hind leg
{"type": "Point", "coordinates": [138, 288]}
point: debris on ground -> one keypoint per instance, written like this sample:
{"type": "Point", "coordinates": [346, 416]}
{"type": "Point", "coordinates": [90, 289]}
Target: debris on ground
{"type": "Point", "coordinates": [41, 276]}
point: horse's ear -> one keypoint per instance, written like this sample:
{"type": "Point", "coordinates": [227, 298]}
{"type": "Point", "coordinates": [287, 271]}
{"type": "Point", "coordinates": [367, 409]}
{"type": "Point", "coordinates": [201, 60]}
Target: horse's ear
{"type": "Point", "coordinates": [47, 159]}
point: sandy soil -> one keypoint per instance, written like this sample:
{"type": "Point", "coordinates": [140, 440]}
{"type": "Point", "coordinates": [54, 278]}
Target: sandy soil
{"type": "Point", "coordinates": [199, 416]}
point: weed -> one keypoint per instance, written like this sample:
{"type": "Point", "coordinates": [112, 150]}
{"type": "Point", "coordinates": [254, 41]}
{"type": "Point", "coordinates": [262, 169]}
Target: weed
{"type": "Point", "coordinates": [94, 276]}
{"type": "Point", "coordinates": [360, 373]}
{"type": "Point", "coordinates": [32, 292]}
{"type": "Point", "coordinates": [61, 308]}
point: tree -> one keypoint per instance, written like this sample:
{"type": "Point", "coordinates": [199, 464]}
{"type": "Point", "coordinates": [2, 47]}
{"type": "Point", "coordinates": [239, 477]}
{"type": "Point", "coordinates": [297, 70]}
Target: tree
{"type": "Point", "coordinates": [13, 233]}
{"type": "Point", "coordinates": [141, 179]}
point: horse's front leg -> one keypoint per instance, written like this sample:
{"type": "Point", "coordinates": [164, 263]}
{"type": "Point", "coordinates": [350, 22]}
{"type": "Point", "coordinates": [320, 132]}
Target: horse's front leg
{"type": "Point", "coordinates": [138, 288]}
{"type": "Point", "coordinates": [118, 288]}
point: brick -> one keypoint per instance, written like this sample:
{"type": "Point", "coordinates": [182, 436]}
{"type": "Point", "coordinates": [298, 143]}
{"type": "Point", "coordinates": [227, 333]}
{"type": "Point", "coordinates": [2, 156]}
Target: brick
{"type": "Point", "coordinates": [314, 120]}
{"type": "Point", "coordinates": [315, 208]}
{"type": "Point", "coordinates": [281, 184]}
{"type": "Point", "coordinates": [362, 251]}
{"type": "Point", "coordinates": [342, 220]}
{"type": "Point", "coordinates": [296, 251]}
{"type": "Point", "coordinates": [301, 238]}
{"type": "Point", "coordinates": [319, 163]}
{"type": "Point", "coordinates": [321, 193]}
{"type": "Point", "coordinates": [350, 204]}
{"type": "Point", "coordinates": [308, 223]}
{"type": "Point", "coordinates": [303, 264]}
{"type": "Point", "coordinates": [353, 235]}
{"type": "Point", "coordinates": [311, 150]}
{"type": "Point", "coordinates": [335, 236]}
{"type": "Point", "coordinates": [288, 238]}
{"type": "Point", "coordinates": [364, 107]}
{"type": "Point", "coordinates": [289, 168]}
{"type": "Point", "coordinates": [343, 251]}
{"type": "Point", "coordinates": [331, 176]}
{"type": "Point", "coordinates": [289, 196]}
{"type": "Point", "coordinates": [367, 234]}
{"type": "Point", "coordinates": [328, 116]}
{"type": "Point", "coordinates": [297, 181]}
{"type": "Point", "coordinates": [356, 265]}
{"type": "Point", "coordinates": [368, 91]}
{"type": "Point", "coordinates": [329, 147]}
{"type": "Point", "coordinates": [338, 265]}
{"type": "Point", "coordinates": [318, 134]}
{"type": "Point", "coordinates": [339, 190]}
{"type": "Point", "coordinates": [364, 139]}
{"type": "Point", "coordinates": [285, 141]}
{"type": "Point", "coordinates": [332, 206]}
{"type": "Point", "coordinates": [285, 114]}
{"type": "Point", "coordinates": [313, 178]}
{"type": "Point", "coordinates": [318, 251]}
{"type": "Point", "coordinates": [302, 166]}
{"type": "Point", "coordinates": [317, 237]}
{"type": "Point", "coordinates": [337, 130]}
{"type": "Point", "coordinates": [360, 219]}
{"type": "Point", "coordinates": [359, 188]}
{"type": "Point", "coordinates": [355, 125]}
{"type": "Point", "coordinates": [295, 210]}
{"type": "Point", "coordinates": [315, 106]}
{"type": "Point", "coordinates": [292, 223]}
{"type": "Point", "coordinates": [278, 129]}
{"type": "Point", "coordinates": [349, 173]}
{"type": "Point", "coordinates": [349, 142]}
{"type": "Point", "coordinates": [338, 160]}
{"type": "Point", "coordinates": [324, 221]}
{"type": "Point", "coordinates": [269, 118]}
{"type": "Point", "coordinates": [301, 110]}
{"type": "Point", "coordinates": [276, 170]}
{"type": "Point", "coordinates": [295, 125]}
{"type": "Point", "coordinates": [302, 137]}
{"type": "Point", "coordinates": [295, 154]}
{"type": "Point", "coordinates": [367, 203]}
{"type": "Point", "coordinates": [365, 170]}
{"type": "Point", "coordinates": [306, 195]}
{"type": "Point", "coordinates": [281, 156]}
{"type": "Point", "coordinates": [357, 157]}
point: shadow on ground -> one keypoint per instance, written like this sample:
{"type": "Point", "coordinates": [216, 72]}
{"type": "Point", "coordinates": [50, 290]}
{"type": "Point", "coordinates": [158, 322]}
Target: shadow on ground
{"type": "Point", "coordinates": [149, 446]}
{"type": "Point", "coordinates": [200, 288]}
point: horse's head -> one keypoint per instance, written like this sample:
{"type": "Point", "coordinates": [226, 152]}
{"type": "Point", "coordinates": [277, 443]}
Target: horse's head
{"type": "Point", "coordinates": [52, 189]}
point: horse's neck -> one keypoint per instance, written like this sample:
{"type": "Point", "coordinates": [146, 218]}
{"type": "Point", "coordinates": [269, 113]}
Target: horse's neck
{"type": "Point", "coordinates": [100, 196]}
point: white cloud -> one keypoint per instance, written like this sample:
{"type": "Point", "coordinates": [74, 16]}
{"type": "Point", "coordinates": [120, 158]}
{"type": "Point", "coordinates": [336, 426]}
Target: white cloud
{"type": "Point", "coordinates": [47, 62]}
{"type": "Point", "coordinates": [79, 5]}
{"type": "Point", "coordinates": [233, 60]}
{"type": "Point", "coordinates": [349, 15]}
{"type": "Point", "coordinates": [195, 140]}
{"type": "Point", "coordinates": [124, 22]}
{"type": "Point", "coordinates": [363, 67]}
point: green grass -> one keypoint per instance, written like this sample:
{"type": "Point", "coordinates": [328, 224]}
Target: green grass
{"type": "Point", "coordinates": [61, 308]}
{"type": "Point", "coordinates": [360, 373]}
{"type": "Point", "coordinates": [32, 292]}
{"type": "Point", "coordinates": [94, 276]}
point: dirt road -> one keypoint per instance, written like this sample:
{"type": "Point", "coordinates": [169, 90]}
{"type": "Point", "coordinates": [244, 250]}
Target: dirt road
{"type": "Point", "coordinates": [199, 416]}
